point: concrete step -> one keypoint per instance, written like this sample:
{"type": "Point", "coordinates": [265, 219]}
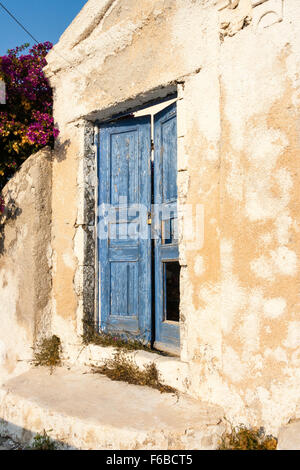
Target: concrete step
{"type": "Point", "coordinates": [8, 444]}
{"type": "Point", "coordinates": [289, 436]}
{"type": "Point", "coordinates": [86, 411]}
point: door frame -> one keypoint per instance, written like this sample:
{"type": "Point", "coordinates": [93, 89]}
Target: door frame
{"type": "Point", "coordinates": [173, 349]}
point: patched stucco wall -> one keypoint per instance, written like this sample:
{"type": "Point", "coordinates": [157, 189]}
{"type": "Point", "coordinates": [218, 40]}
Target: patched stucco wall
{"type": "Point", "coordinates": [235, 65]}
{"type": "Point", "coordinates": [25, 264]}
{"type": "Point", "coordinates": [244, 351]}
{"type": "Point", "coordinates": [260, 216]}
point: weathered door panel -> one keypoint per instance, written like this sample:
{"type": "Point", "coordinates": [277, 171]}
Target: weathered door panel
{"type": "Point", "coordinates": [124, 236]}
{"type": "Point", "coordinates": [165, 219]}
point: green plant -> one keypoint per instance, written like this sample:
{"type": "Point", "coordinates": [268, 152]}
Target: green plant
{"type": "Point", "coordinates": [48, 353]}
{"type": "Point", "coordinates": [43, 442]}
{"type": "Point", "coordinates": [243, 438]}
{"type": "Point", "coordinates": [123, 369]}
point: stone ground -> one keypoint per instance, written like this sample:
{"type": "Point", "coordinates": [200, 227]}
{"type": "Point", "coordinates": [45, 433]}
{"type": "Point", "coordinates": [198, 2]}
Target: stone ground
{"type": "Point", "coordinates": [87, 411]}
{"type": "Point", "coordinates": [289, 436]}
{"type": "Point", "coordinates": [7, 444]}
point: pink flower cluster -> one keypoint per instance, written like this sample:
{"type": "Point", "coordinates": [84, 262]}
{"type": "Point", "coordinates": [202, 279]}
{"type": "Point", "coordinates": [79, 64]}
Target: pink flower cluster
{"type": "Point", "coordinates": [41, 129]}
{"type": "Point", "coordinates": [2, 205]}
{"type": "Point", "coordinates": [26, 122]}
{"type": "Point", "coordinates": [24, 73]}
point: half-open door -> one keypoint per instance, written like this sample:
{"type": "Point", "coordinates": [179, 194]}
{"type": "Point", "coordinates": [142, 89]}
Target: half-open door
{"type": "Point", "coordinates": [167, 268]}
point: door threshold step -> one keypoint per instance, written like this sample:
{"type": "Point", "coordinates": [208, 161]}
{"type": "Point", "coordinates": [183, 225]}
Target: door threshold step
{"type": "Point", "coordinates": [90, 412]}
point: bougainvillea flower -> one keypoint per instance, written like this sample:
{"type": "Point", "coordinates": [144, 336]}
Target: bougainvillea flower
{"type": "Point", "coordinates": [26, 122]}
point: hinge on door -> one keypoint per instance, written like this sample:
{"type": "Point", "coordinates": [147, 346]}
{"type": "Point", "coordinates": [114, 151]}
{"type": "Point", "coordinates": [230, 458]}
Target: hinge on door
{"type": "Point", "coordinates": [149, 218]}
{"type": "Point", "coordinates": [152, 144]}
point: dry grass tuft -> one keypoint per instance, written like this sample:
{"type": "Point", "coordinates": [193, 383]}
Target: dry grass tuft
{"type": "Point", "coordinates": [123, 369]}
{"type": "Point", "coordinates": [92, 336]}
{"type": "Point", "coordinates": [242, 438]}
{"type": "Point", "coordinates": [48, 353]}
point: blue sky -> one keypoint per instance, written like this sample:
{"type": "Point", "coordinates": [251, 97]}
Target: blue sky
{"type": "Point", "coordinates": [45, 19]}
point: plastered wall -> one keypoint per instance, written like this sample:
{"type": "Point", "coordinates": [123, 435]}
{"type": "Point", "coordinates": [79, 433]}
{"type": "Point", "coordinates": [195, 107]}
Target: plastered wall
{"type": "Point", "coordinates": [235, 65]}
{"type": "Point", "coordinates": [259, 242]}
{"type": "Point", "coordinates": [25, 264]}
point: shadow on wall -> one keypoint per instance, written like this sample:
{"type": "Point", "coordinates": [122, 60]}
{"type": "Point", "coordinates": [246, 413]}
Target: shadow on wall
{"type": "Point", "coordinates": [60, 150]}
{"type": "Point", "coordinates": [16, 438]}
{"type": "Point", "coordinates": [11, 212]}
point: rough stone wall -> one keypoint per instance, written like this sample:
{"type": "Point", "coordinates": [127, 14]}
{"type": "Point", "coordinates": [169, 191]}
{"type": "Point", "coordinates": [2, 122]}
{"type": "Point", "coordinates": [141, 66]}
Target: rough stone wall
{"type": "Point", "coordinates": [116, 51]}
{"type": "Point", "coordinates": [25, 263]}
{"type": "Point", "coordinates": [235, 65]}
{"type": "Point", "coordinates": [235, 15]}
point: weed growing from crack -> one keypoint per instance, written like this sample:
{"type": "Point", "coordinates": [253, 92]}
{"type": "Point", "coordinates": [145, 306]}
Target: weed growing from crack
{"type": "Point", "coordinates": [43, 442]}
{"type": "Point", "coordinates": [48, 353]}
{"type": "Point", "coordinates": [242, 438]}
{"type": "Point", "coordinates": [125, 342]}
{"type": "Point", "coordinates": [123, 369]}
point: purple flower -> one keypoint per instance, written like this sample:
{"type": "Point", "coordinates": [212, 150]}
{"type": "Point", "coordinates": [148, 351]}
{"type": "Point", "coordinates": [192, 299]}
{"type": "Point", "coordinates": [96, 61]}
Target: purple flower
{"type": "Point", "coordinates": [2, 205]}
{"type": "Point", "coordinates": [26, 122]}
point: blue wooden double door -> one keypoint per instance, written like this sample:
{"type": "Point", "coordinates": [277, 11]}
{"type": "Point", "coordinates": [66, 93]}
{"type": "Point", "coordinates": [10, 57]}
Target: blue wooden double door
{"type": "Point", "coordinates": [138, 241]}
